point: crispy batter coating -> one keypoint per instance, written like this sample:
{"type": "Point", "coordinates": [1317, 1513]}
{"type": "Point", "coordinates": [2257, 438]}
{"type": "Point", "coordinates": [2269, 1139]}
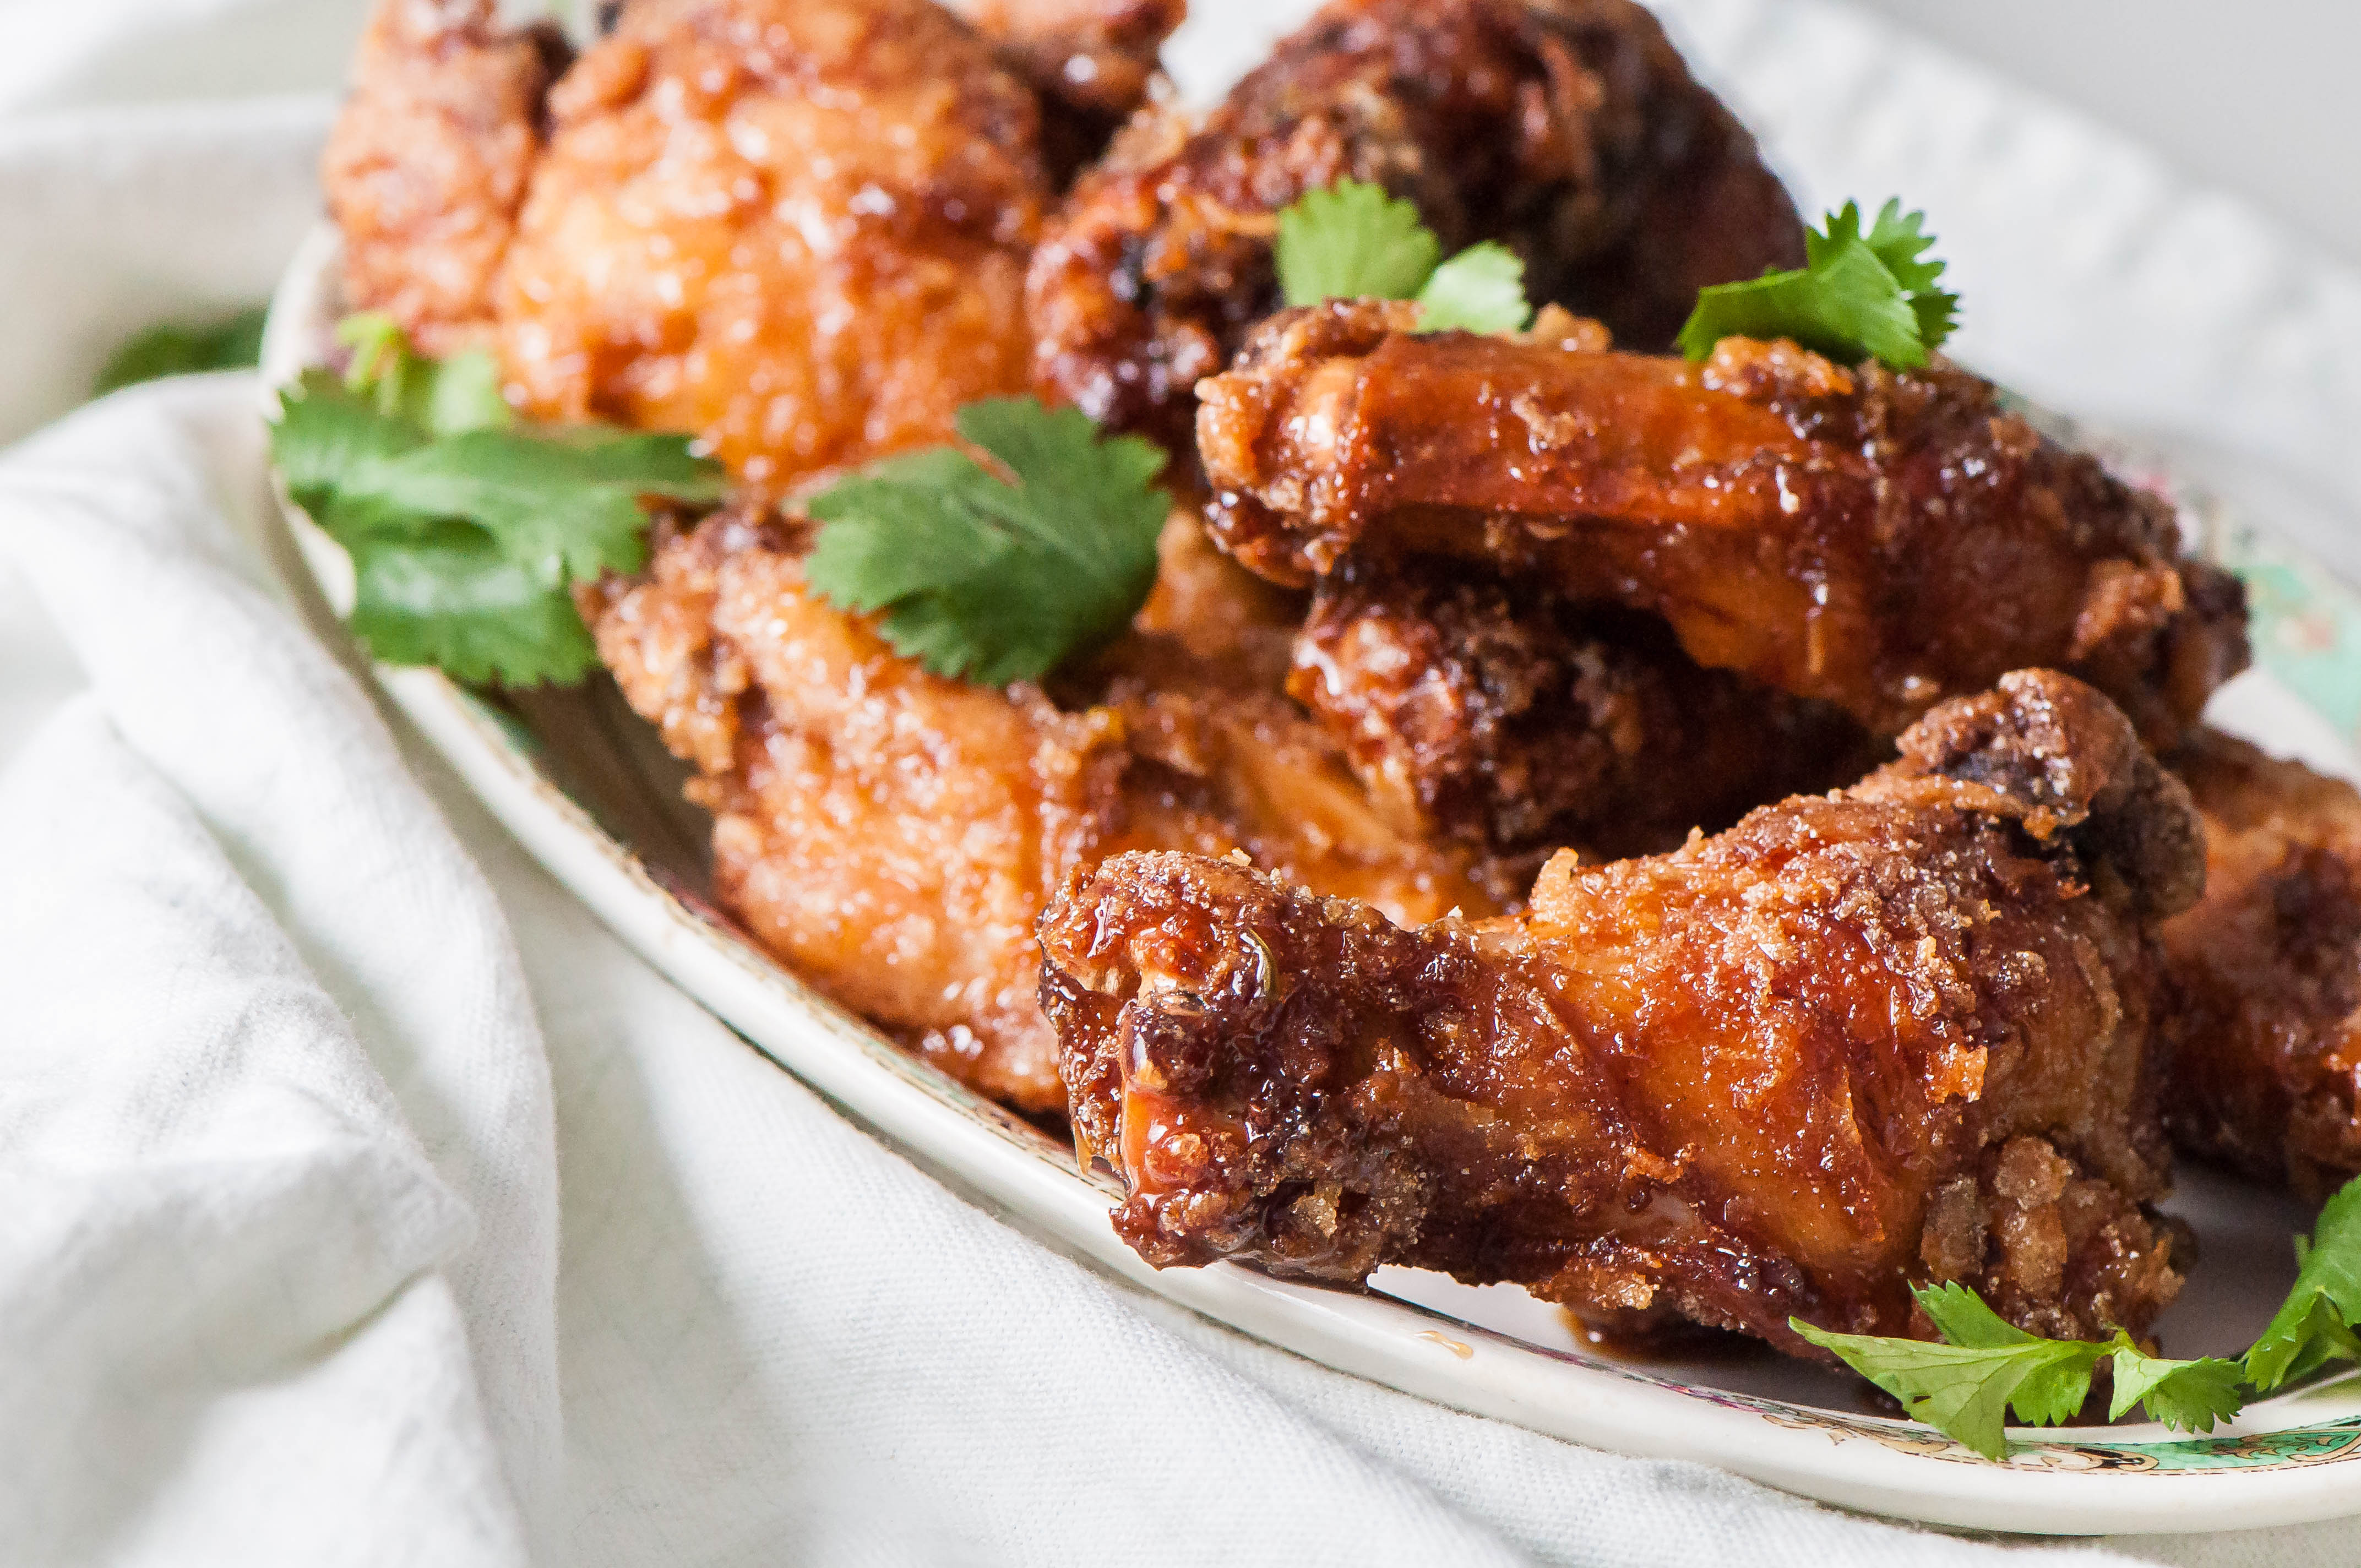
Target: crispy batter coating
{"type": "Point", "coordinates": [1512, 721]}
{"type": "Point", "coordinates": [1872, 538]}
{"type": "Point", "coordinates": [892, 836]}
{"type": "Point", "coordinates": [1896, 1034]}
{"type": "Point", "coordinates": [426, 168]}
{"type": "Point", "coordinates": [1568, 129]}
{"type": "Point", "coordinates": [796, 227]}
{"type": "Point", "coordinates": [2266, 1067]}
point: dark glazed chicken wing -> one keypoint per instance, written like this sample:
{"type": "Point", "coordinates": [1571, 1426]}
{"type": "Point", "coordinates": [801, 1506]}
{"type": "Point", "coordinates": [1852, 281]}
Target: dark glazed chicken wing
{"type": "Point", "coordinates": [1897, 1034]}
{"type": "Point", "coordinates": [1872, 538]}
{"type": "Point", "coordinates": [2266, 1025]}
{"type": "Point", "coordinates": [1569, 129]}
{"type": "Point", "coordinates": [1506, 719]}
{"type": "Point", "coordinates": [1092, 61]}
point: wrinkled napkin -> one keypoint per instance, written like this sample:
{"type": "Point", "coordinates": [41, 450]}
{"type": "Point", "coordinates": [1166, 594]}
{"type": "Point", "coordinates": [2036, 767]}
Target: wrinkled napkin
{"type": "Point", "coordinates": [366, 1203]}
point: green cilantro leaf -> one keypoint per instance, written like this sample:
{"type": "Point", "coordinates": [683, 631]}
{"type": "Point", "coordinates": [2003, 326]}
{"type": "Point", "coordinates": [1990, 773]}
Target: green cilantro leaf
{"type": "Point", "coordinates": [186, 348]}
{"type": "Point", "coordinates": [1482, 288]}
{"type": "Point", "coordinates": [1961, 1317]}
{"type": "Point", "coordinates": [1351, 241]}
{"type": "Point", "coordinates": [2052, 1391]}
{"type": "Point", "coordinates": [325, 434]}
{"type": "Point", "coordinates": [1988, 1367]}
{"type": "Point", "coordinates": [2186, 1395]}
{"type": "Point", "coordinates": [446, 397]}
{"type": "Point", "coordinates": [560, 508]}
{"type": "Point", "coordinates": [989, 580]}
{"type": "Point", "coordinates": [465, 528]}
{"type": "Point", "coordinates": [1856, 296]}
{"type": "Point", "coordinates": [450, 598]}
{"type": "Point", "coordinates": [1967, 1390]}
{"type": "Point", "coordinates": [1900, 240]}
{"type": "Point", "coordinates": [2315, 1324]}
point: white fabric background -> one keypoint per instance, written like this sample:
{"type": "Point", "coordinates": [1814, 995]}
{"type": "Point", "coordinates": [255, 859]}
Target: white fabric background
{"type": "Point", "coordinates": [366, 1203]}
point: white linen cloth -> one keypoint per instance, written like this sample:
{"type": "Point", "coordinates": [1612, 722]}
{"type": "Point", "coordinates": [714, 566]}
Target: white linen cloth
{"type": "Point", "coordinates": [362, 1201]}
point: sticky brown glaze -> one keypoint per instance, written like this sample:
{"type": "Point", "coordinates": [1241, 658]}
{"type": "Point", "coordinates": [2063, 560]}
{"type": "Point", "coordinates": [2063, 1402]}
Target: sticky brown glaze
{"type": "Point", "coordinates": [1091, 61]}
{"type": "Point", "coordinates": [892, 834]}
{"type": "Point", "coordinates": [426, 167]}
{"type": "Point", "coordinates": [1515, 722]}
{"type": "Point", "coordinates": [1568, 129]}
{"type": "Point", "coordinates": [1900, 1034]}
{"type": "Point", "coordinates": [2266, 1066]}
{"type": "Point", "coordinates": [1870, 538]}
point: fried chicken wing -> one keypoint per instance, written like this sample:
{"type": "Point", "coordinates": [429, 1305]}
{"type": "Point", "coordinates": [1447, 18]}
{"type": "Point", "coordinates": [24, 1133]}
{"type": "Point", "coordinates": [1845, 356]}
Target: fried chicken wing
{"type": "Point", "coordinates": [1872, 538]}
{"type": "Point", "coordinates": [796, 227]}
{"type": "Point", "coordinates": [1515, 722]}
{"type": "Point", "coordinates": [1896, 1034]}
{"type": "Point", "coordinates": [893, 835]}
{"type": "Point", "coordinates": [1568, 129]}
{"type": "Point", "coordinates": [2266, 1064]}
{"type": "Point", "coordinates": [426, 167]}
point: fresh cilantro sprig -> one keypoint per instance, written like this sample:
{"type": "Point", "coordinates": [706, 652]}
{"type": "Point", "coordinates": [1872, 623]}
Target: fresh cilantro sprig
{"type": "Point", "coordinates": [1858, 296]}
{"type": "Point", "coordinates": [185, 348]}
{"type": "Point", "coordinates": [1989, 1367]}
{"type": "Point", "coordinates": [446, 397]}
{"type": "Point", "coordinates": [1986, 1368]}
{"type": "Point", "coordinates": [465, 527]}
{"type": "Point", "coordinates": [2315, 1324]}
{"type": "Point", "coordinates": [1353, 241]}
{"type": "Point", "coordinates": [990, 579]}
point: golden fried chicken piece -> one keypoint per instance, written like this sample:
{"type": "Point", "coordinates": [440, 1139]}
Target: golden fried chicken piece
{"type": "Point", "coordinates": [1512, 721]}
{"type": "Point", "coordinates": [1872, 538]}
{"type": "Point", "coordinates": [426, 168]}
{"type": "Point", "coordinates": [796, 227]}
{"type": "Point", "coordinates": [892, 834]}
{"type": "Point", "coordinates": [1568, 129]}
{"type": "Point", "coordinates": [1897, 1034]}
{"type": "Point", "coordinates": [2266, 969]}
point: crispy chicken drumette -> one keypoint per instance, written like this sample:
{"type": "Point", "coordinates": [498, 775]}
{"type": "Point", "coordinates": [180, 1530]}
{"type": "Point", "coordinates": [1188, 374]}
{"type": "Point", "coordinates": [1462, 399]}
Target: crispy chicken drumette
{"type": "Point", "coordinates": [797, 228]}
{"type": "Point", "coordinates": [1493, 714]}
{"type": "Point", "coordinates": [2267, 969]}
{"type": "Point", "coordinates": [1569, 129]}
{"type": "Point", "coordinates": [893, 835]}
{"type": "Point", "coordinates": [1872, 538]}
{"type": "Point", "coordinates": [1897, 1034]}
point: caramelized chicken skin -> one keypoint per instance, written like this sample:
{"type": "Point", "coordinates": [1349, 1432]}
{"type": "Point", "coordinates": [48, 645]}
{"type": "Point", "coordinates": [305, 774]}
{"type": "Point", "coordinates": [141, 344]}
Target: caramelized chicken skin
{"type": "Point", "coordinates": [1569, 129]}
{"type": "Point", "coordinates": [1872, 538]}
{"type": "Point", "coordinates": [1896, 1034]}
{"type": "Point", "coordinates": [2267, 969]}
{"type": "Point", "coordinates": [893, 835]}
{"type": "Point", "coordinates": [1091, 61]}
{"type": "Point", "coordinates": [427, 166]}
{"type": "Point", "coordinates": [1509, 720]}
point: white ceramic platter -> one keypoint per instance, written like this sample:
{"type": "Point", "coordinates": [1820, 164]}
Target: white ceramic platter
{"type": "Point", "coordinates": [582, 784]}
